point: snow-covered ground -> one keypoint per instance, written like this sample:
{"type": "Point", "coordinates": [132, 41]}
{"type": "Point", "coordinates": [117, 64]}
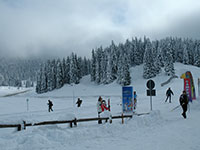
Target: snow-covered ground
{"type": "Point", "coordinates": [162, 129]}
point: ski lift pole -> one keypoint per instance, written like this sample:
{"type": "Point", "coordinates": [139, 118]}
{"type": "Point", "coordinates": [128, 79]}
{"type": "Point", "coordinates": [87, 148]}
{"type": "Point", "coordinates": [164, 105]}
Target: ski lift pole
{"type": "Point", "coordinates": [27, 100]}
{"type": "Point", "coordinates": [73, 100]}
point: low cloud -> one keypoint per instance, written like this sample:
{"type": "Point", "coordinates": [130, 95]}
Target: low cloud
{"type": "Point", "coordinates": [50, 27]}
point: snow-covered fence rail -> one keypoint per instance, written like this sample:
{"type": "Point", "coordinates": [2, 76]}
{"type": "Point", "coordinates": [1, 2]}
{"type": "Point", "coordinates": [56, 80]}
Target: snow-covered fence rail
{"type": "Point", "coordinates": [13, 94]}
{"type": "Point", "coordinates": [172, 77]}
{"type": "Point", "coordinates": [18, 126]}
{"type": "Point", "coordinates": [71, 122]}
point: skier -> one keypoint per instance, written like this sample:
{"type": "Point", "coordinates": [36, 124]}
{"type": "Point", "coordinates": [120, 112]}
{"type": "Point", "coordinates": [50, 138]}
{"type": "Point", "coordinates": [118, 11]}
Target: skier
{"type": "Point", "coordinates": [184, 102]}
{"type": "Point", "coordinates": [50, 105]}
{"type": "Point", "coordinates": [168, 94]}
{"type": "Point", "coordinates": [79, 102]}
{"type": "Point", "coordinates": [134, 100]}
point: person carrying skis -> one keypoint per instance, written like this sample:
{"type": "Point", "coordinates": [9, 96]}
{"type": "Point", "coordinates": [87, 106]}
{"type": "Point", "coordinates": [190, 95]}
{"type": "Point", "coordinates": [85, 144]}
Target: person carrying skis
{"type": "Point", "coordinates": [168, 94]}
{"type": "Point", "coordinates": [79, 102]}
{"type": "Point", "coordinates": [50, 105]}
{"type": "Point", "coordinates": [101, 105]}
{"type": "Point", "coordinates": [184, 102]}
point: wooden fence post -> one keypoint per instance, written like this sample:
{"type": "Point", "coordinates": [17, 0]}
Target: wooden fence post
{"type": "Point", "coordinates": [122, 118]}
{"type": "Point", "coordinates": [24, 123]}
{"type": "Point", "coordinates": [71, 125]}
{"type": "Point", "coordinates": [99, 119]}
{"type": "Point", "coordinates": [75, 122]}
{"type": "Point", "coordinates": [19, 128]}
{"type": "Point", "coordinates": [110, 119]}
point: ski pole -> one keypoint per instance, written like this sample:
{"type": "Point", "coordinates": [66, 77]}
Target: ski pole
{"type": "Point", "coordinates": [175, 107]}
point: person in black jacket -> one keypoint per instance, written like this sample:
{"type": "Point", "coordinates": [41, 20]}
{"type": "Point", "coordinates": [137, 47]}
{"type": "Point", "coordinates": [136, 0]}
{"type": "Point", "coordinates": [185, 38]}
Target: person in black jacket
{"type": "Point", "coordinates": [50, 105]}
{"type": "Point", "coordinates": [168, 94]}
{"type": "Point", "coordinates": [79, 102]}
{"type": "Point", "coordinates": [184, 102]}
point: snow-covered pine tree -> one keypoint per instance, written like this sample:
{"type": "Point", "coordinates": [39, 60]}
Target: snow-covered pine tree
{"type": "Point", "coordinates": [191, 51]}
{"type": "Point", "coordinates": [53, 73]}
{"type": "Point", "coordinates": [139, 51]}
{"type": "Point", "coordinates": [67, 71]}
{"type": "Point", "coordinates": [197, 54]}
{"type": "Point", "coordinates": [74, 70]}
{"type": "Point", "coordinates": [109, 66]}
{"type": "Point", "coordinates": [93, 66]}
{"type": "Point", "coordinates": [64, 73]}
{"type": "Point", "coordinates": [168, 64]}
{"type": "Point", "coordinates": [49, 74]}
{"type": "Point", "coordinates": [104, 66]}
{"type": "Point", "coordinates": [98, 74]}
{"type": "Point", "coordinates": [123, 73]}
{"type": "Point", "coordinates": [114, 59]}
{"type": "Point", "coordinates": [39, 80]}
{"type": "Point", "coordinates": [59, 74]}
{"type": "Point", "coordinates": [80, 68]}
{"type": "Point", "coordinates": [128, 48]}
{"type": "Point", "coordinates": [1, 79]}
{"type": "Point", "coordinates": [178, 50]}
{"type": "Point", "coordinates": [185, 54]}
{"type": "Point", "coordinates": [86, 66]}
{"type": "Point", "coordinates": [43, 80]}
{"type": "Point", "coordinates": [127, 77]}
{"type": "Point", "coordinates": [148, 68]}
{"type": "Point", "coordinates": [159, 61]}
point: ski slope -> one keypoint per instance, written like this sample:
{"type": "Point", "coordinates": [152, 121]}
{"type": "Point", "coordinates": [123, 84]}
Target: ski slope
{"type": "Point", "coordinates": [162, 129]}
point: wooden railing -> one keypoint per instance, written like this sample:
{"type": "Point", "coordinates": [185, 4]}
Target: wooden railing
{"type": "Point", "coordinates": [71, 122]}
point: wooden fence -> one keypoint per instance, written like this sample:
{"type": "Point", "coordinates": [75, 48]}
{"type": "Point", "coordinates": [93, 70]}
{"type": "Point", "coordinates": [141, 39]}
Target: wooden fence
{"type": "Point", "coordinates": [70, 122]}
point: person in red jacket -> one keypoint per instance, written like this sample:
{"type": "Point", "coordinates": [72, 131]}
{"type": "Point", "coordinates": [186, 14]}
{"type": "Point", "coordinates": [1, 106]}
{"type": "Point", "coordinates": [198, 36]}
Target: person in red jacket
{"type": "Point", "coordinates": [104, 106]}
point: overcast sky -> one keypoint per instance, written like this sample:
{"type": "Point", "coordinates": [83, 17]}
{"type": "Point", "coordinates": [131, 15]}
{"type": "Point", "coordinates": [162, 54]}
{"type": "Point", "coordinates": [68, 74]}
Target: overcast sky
{"type": "Point", "coordinates": [59, 27]}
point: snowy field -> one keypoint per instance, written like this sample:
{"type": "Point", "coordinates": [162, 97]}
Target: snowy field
{"type": "Point", "coordinates": [162, 129]}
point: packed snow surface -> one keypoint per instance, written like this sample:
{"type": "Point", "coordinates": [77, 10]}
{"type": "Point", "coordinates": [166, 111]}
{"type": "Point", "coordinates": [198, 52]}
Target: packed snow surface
{"type": "Point", "coordinates": [162, 129]}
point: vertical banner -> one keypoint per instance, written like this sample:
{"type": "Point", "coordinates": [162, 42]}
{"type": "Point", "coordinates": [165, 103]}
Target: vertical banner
{"type": "Point", "coordinates": [199, 87]}
{"type": "Point", "coordinates": [187, 88]}
{"type": "Point", "coordinates": [188, 75]}
{"type": "Point", "coordinates": [127, 99]}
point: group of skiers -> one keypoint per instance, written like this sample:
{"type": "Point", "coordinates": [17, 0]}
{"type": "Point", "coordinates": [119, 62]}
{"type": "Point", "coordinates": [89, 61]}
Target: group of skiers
{"type": "Point", "coordinates": [101, 104]}
{"type": "Point", "coordinates": [183, 100]}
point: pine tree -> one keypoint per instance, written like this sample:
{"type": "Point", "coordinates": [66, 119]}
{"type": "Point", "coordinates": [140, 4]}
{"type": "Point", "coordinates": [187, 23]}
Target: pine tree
{"type": "Point", "coordinates": [159, 61]}
{"type": "Point", "coordinates": [93, 67]}
{"type": "Point", "coordinates": [59, 74]}
{"type": "Point", "coordinates": [185, 54]}
{"type": "Point", "coordinates": [98, 69]}
{"type": "Point", "coordinates": [169, 65]}
{"type": "Point", "coordinates": [197, 55]}
{"type": "Point", "coordinates": [123, 68]}
{"type": "Point", "coordinates": [149, 68]}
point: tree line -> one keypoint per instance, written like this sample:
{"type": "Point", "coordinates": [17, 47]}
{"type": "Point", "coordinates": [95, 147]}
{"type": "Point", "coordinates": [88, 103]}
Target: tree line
{"type": "Point", "coordinates": [113, 62]}
{"type": "Point", "coordinates": [55, 73]}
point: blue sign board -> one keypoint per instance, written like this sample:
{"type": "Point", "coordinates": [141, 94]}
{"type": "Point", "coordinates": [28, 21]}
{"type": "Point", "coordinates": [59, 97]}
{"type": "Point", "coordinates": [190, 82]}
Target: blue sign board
{"type": "Point", "coordinates": [127, 99]}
